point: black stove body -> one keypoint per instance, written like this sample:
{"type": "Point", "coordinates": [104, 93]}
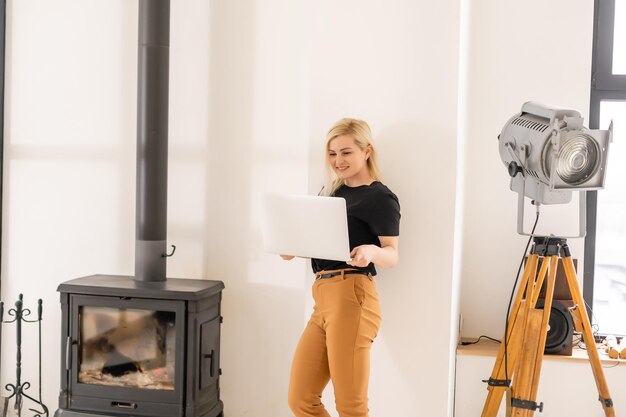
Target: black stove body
{"type": "Point", "coordinates": [137, 349]}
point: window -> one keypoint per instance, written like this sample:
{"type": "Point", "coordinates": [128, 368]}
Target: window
{"type": "Point", "coordinates": [619, 38]}
{"type": "Point", "coordinates": [609, 299]}
{"type": "Point", "coordinates": [605, 245]}
{"type": "Point", "coordinates": [2, 44]}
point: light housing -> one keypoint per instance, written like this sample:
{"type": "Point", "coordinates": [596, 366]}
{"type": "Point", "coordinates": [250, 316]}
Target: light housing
{"type": "Point", "coordinates": [554, 153]}
{"type": "Point", "coordinates": [549, 153]}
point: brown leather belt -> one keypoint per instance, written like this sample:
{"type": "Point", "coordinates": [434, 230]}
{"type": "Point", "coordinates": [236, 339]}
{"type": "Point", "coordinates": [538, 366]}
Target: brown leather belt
{"type": "Point", "coordinates": [345, 272]}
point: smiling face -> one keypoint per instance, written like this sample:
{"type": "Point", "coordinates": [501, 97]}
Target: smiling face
{"type": "Point", "coordinates": [349, 161]}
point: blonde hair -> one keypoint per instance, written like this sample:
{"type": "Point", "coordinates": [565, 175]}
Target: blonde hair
{"type": "Point", "coordinates": [362, 135]}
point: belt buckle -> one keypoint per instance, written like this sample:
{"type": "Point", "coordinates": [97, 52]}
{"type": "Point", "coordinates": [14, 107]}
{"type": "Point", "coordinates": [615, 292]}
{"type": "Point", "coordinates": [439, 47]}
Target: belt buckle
{"type": "Point", "coordinates": [325, 276]}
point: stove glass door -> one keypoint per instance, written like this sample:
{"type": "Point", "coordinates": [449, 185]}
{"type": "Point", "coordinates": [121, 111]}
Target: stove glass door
{"type": "Point", "coordinates": [127, 347]}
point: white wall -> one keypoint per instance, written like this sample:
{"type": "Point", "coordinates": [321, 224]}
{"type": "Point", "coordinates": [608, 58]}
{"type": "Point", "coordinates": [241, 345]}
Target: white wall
{"type": "Point", "coordinates": [68, 162]}
{"type": "Point", "coordinates": [257, 142]}
{"type": "Point", "coordinates": [567, 387]}
{"type": "Point", "coordinates": [254, 87]}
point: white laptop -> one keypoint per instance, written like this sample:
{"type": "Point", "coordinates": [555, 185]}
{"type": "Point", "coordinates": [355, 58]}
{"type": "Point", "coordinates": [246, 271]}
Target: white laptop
{"type": "Point", "coordinates": [305, 226]}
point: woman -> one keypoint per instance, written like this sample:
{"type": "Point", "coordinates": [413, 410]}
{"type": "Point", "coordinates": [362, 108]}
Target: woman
{"type": "Point", "coordinates": [336, 342]}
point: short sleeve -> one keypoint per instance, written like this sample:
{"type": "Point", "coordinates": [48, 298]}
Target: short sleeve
{"type": "Point", "coordinates": [385, 217]}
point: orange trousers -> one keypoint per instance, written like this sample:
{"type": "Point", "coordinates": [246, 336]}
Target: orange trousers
{"type": "Point", "coordinates": [335, 345]}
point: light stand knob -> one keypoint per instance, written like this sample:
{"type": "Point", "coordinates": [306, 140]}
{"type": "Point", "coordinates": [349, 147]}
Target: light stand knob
{"type": "Point", "coordinates": [514, 169]}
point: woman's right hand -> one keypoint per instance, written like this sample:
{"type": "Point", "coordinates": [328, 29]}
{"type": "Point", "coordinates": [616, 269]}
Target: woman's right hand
{"type": "Point", "coordinates": [287, 257]}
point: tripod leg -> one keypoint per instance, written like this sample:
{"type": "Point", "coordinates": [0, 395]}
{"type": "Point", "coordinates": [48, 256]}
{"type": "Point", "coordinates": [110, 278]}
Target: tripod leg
{"type": "Point", "coordinates": [496, 392]}
{"type": "Point", "coordinates": [539, 282]}
{"type": "Point", "coordinates": [514, 332]}
{"type": "Point", "coordinates": [527, 377]}
{"type": "Point", "coordinates": [524, 376]}
{"type": "Point", "coordinates": [547, 309]}
{"type": "Point", "coordinates": [594, 358]}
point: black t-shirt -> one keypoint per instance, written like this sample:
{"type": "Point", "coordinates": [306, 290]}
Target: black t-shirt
{"type": "Point", "coordinates": [373, 210]}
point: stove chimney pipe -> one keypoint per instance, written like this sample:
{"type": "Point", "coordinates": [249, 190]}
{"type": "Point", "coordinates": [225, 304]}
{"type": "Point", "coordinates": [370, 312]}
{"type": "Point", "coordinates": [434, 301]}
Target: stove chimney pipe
{"type": "Point", "coordinates": [152, 134]}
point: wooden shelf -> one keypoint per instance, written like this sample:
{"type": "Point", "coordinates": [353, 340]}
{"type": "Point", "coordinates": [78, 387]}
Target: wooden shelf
{"type": "Point", "coordinates": [487, 347]}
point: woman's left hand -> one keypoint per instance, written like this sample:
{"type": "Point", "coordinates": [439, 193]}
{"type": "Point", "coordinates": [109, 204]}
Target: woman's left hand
{"type": "Point", "coordinates": [363, 255]}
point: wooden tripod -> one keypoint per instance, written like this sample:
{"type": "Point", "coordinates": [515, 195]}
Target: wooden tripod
{"type": "Point", "coordinates": [527, 331]}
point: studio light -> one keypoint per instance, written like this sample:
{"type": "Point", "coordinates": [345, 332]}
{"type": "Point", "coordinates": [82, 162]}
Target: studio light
{"type": "Point", "coordinates": [549, 153]}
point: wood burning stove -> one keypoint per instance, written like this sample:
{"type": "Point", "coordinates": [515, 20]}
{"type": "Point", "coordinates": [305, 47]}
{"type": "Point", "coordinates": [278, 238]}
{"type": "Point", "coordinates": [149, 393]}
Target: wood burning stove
{"type": "Point", "coordinates": [140, 349]}
{"type": "Point", "coordinates": [143, 345]}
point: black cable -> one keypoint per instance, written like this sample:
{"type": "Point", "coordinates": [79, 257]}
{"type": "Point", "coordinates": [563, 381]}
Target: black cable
{"type": "Point", "coordinates": [595, 327]}
{"type": "Point", "coordinates": [508, 310]}
{"type": "Point", "coordinates": [478, 340]}
{"type": "Point", "coordinates": [612, 366]}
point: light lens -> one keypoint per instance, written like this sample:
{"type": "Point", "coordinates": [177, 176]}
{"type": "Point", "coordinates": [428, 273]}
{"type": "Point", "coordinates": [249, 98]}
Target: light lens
{"type": "Point", "coordinates": [579, 159]}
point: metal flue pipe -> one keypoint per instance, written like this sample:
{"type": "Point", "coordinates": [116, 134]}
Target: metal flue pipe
{"type": "Point", "coordinates": [152, 135]}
